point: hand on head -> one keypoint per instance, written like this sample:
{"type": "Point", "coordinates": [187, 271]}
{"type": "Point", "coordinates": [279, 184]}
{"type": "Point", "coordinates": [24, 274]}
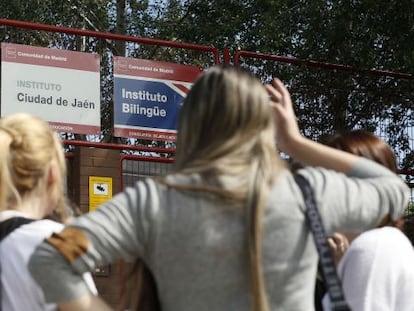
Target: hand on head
{"type": "Point", "coordinates": [287, 129]}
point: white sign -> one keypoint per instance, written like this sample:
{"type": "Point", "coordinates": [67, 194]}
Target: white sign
{"type": "Point", "coordinates": [59, 86]}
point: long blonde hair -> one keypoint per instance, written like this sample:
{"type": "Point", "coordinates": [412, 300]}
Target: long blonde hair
{"type": "Point", "coordinates": [226, 129]}
{"type": "Point", "coordinates": [27, 146]}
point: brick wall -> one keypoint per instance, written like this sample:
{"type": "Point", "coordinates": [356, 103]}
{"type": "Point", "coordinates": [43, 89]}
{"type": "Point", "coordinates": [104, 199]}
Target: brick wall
{"type": "Point", "coordinates": [85, 162]}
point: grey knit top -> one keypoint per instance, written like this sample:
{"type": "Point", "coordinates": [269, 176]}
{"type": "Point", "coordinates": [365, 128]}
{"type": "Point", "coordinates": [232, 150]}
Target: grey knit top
{"type": "Point", "coordinates": [196, 247]}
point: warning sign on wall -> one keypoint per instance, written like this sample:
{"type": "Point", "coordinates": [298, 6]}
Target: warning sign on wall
{"type": "Point", "coordinates": [100, 191]}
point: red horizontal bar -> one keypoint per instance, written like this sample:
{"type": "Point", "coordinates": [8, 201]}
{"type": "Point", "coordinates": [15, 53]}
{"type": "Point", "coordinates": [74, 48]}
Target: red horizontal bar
{"type": "Point", "coordinates": [323, 65]}
{"type": "Point", "coordinates": [111, 36]}
{"type": "Point", "coordinates": [405, 172]}
{"type": "Point", "coordinates": [82, 143]}
{"type": "Point", "coordinates": [145, 158]}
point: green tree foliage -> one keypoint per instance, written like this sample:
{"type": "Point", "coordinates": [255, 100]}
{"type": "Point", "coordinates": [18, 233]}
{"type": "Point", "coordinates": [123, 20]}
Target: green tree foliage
{"type": "Point", "coordinates": [360, 34]}
{"type": "Point", "coordinates": [80, 14]}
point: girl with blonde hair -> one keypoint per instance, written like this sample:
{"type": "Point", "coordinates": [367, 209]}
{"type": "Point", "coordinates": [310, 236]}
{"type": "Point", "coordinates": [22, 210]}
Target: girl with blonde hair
{"type": "Point", "coordinates": [226, 230]}
{"type": "Point", "coordinates": [32, 169]}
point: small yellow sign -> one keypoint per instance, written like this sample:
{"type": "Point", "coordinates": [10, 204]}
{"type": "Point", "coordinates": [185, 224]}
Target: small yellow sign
{"type": "Point", "coordinates": [100, 191]}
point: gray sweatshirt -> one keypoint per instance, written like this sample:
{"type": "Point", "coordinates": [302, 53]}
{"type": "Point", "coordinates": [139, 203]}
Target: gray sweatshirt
{"type": "Point", "coordinates": [196, 247]}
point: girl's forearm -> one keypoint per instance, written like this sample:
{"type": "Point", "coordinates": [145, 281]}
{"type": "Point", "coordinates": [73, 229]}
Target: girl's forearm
{"type": "Point", "coordinates": [311, 153]}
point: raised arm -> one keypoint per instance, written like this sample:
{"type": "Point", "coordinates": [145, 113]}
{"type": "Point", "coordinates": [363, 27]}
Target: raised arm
{"type": "Point", "coordinates": [382, 192]}
{"type": "Point", "coordinates": [290, 140]}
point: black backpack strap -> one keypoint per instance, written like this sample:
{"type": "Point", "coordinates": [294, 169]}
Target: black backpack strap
{"type": "Point", "coordinates": [334, 286]}
{"type": "Point", "coordinates": [7, 226]}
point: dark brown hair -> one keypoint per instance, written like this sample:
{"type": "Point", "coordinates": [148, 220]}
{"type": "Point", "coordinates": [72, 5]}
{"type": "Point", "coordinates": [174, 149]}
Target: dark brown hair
{"type": "Point", "coordinates": [364, 144]}
{"type": "Point", "coordinates": [367, 145]}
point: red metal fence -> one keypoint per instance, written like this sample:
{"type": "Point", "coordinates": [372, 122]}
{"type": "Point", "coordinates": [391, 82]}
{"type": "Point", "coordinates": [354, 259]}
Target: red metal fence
{"type": "Point", "coordinates": [112, 36]}
{"type": "Point", "coordinates": [154, 156]}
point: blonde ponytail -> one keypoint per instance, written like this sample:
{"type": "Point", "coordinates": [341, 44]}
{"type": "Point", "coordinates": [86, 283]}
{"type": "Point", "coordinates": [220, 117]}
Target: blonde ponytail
{"type": "Point", "coordinates": [27, 147]}
{"type": "Point", "coordinates": [7, 189]}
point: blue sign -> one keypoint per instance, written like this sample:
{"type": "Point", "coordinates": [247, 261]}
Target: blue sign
{"type": "Point", "coordinates": [146, 103]}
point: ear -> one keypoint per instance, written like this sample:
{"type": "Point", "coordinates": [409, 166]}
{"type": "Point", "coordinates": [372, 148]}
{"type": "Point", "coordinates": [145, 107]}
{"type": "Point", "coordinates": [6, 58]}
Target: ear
{"type": "Point", "coordinates": [52, 174]}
